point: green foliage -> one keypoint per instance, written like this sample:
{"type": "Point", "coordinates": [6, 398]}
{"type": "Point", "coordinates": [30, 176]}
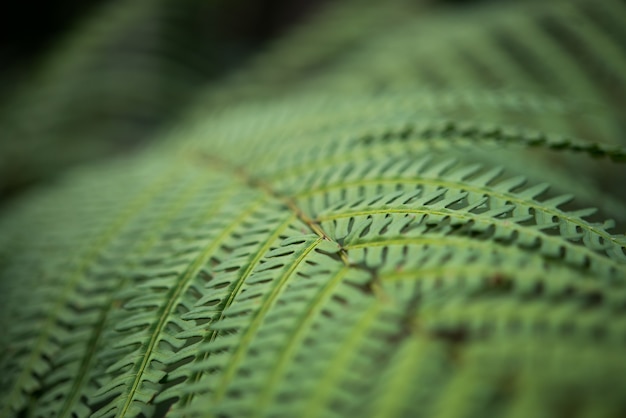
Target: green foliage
{"type": "Point", "coordinates": [370, 241]}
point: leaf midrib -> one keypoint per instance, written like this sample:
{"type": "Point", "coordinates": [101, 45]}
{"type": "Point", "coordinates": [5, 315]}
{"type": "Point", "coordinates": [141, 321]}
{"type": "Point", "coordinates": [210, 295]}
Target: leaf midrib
{"type": "Point", "coordinates": [99, 328]}
{"type": "Point", "coordinates": [257, 319]}
{"type": "Point", "coordinates": [300, 327]}
{"type": "Point", "coordinates": [124, 217]}
{"type": "Point", "coordinates": [530, 204]}
{"type": "Point", "coordinates": [212, 334]}
{"type": "Point", "coordinates": [172, 300]}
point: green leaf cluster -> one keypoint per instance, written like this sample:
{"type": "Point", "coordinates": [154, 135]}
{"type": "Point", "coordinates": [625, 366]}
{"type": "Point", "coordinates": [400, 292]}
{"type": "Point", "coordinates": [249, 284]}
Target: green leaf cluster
{"type": "Point", "coordinates": [391, 212]}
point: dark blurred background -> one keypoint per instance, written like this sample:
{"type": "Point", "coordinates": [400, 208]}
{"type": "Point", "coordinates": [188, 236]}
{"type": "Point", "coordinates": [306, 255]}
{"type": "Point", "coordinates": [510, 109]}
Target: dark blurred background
{"type": "Point", "coordinates": [28, 28]}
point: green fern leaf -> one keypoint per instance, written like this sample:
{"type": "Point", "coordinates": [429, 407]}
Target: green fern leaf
{"type": "Point", "coordinates": [359, 251]}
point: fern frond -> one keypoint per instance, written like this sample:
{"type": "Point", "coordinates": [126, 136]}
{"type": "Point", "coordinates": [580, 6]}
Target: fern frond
{"type": "Point", "coordinates": [399, 250]}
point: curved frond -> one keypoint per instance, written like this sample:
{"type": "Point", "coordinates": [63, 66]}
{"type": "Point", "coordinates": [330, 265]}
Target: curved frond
{"type": "Point", "coordinates": [414, 229]}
